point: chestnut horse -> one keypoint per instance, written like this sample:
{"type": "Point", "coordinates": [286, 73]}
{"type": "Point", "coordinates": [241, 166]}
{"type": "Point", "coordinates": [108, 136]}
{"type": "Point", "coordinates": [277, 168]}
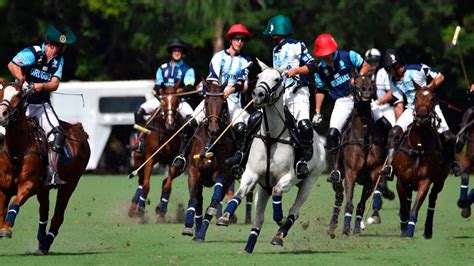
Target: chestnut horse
{"type": "Point", "coordinates": [466, 135]}
{"type": "Point", "coordinates": [163, 125]}
{"type": "Point", "coordinates": [419, 163]}
{"type": "Point", "coordinates": [23, 166]}
{"type": "Point", "coordinates": [209, 170]}
{"type": "Point", "coordinates": [361, 154]}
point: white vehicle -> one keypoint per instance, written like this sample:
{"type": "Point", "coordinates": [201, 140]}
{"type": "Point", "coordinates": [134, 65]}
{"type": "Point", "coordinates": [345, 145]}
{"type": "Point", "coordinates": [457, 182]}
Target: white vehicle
{"type": "Point", "coordinates": [101, 106]}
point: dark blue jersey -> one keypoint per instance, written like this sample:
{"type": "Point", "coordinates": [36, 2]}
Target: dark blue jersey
{"type": "Point", "coordinates": [169, 76]}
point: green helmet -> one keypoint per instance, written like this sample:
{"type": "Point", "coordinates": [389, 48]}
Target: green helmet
{"type": "Point", "coordinates": [55, 36]}
{"type": "Point", "coordinates": [279, 25]}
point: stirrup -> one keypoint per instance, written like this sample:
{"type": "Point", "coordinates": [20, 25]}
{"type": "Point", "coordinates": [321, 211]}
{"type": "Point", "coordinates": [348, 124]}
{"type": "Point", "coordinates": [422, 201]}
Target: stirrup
{"type": "Point", "coordinates": [302, 169]}
{"type": "Point", "coordinates": [179, 163]}
{"type": "Point", "coordinates": [387, 173]}
{"type": "Point", "coordinates": [54, 180]}
{"type": "Point", "coordinates": [335, 176]}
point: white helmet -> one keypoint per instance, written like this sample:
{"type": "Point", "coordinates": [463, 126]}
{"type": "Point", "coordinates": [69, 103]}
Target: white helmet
{"type": "Point", "coordinates": [372, 55]}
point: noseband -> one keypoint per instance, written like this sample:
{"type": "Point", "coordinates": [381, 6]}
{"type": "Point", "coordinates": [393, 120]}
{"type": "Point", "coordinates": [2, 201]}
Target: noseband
{"type": "Point", "coordinates": [12, 112]}
{"type": "Point", "coordinates": [216, 118]}
{"type": "Point", "coordinates": [272, 95]}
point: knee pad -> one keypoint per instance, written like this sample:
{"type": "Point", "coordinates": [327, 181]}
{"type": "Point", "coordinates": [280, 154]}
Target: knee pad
{"type": "Point", "coordinates": [140, 116]}
{"type": "Point", "coordinates": [254, 121]}
{"type": "Point", "coordinates": [332, 140]}
{"type": "Point", "coordinates": [394, 136]}
{"type": "Point", "coordinates": [240, 130]}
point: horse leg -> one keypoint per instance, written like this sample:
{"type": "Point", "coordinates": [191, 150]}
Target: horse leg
{"type": "Point", "coordinates": [62, 200]}
{"type": "Point", "coordinates": [463, 201]}
{"type": "Point", "coordinates": [145, 189]}
{"type": "Point", "coordinates": [248, 181]}
{"type": "Point", "coordinates": [339, 197]}
{"type": "Point", "coordinates": [366, 191]}
{"type": "Point", "coordinates": [423, 187]}
{"type": "Point", "coordinates": [261, 200]}
{"type": "Point", "coordinates": [248, 207]}
{"type": "Point", "coordinates": [437, 187]}
{"type": "Point", "coordinates": [25, 190]}
{"type": "Point", "coordinates": [133, 210]}
{"type": "Point", "coordinates": [376, 206]}
{"type": "Point", "coordinates": [304, 188]}
{"type": "Point", "coordinates": [217, 196]}
{"type": "Point", "coordinates": [162, 207]}
{"type": "Point", "coordinates": [193, 187]}
{"type": "Point", "coordinates": [283, 185]}
{"type": "Point", "coordinates": [349, 183]}
{"type": "Point", "coordinates": [198, 216]}
{"type": "Point", "coordinates": [43, 199]}
{"type": "Point", "coordinates": [4, 200]}
{"type": "Point", "coordinates": [404, 206]}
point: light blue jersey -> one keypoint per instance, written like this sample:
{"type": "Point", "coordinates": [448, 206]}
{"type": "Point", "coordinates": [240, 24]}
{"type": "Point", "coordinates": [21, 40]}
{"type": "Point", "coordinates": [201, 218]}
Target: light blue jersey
{"type": "Point", "coordinates": [290, 54]}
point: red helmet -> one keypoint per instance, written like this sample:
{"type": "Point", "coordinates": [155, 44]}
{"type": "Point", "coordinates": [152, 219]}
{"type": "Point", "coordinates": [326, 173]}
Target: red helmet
{"type": "Point", "coordinates": [238, 29]}
{"type": "Point", "coordinates": [324, 45]}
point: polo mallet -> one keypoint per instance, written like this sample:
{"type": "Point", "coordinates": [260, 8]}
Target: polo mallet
{"type": "Point", "coordinates": [373, 191]}
{"type": "Point", "coordinates": [135, 172]}
{"type": "Point", "coordinates": [454, 42]}
{"type": "Point", "coordinates": [207, 153]}
{"type": "Point", "coordinates": [144, 129]}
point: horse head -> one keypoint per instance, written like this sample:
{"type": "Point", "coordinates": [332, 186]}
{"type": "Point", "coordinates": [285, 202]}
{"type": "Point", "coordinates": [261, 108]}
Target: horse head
{"type": "Point", "coordinates": [11, 97]}
{"type": "Point", "coordinates": [424, 106]}
{"type": "Point", "coordinates": [169, 106]}
{"type": "Point", "coordinates": [215, 106]}
{"type": "Point", "coordinates": [269, 86]}
{"type": "Point", "coordinates": [363, 88]}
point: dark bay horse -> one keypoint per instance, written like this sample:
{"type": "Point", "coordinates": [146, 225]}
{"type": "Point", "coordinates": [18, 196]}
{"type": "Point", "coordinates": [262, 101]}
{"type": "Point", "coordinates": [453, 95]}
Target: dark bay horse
{"type": "Point", "coordinates": [163, 125]}
{"type": "Point", "coordinates": [419, 163]}
{"type": "Point", "coordinates": [466, 136]}
{"type": "Point", "coordinates": [209, 171]}
{"type": "Point", "coordinates": [23, 166]}
{"type": "Point", "coordinates": [361, 155]}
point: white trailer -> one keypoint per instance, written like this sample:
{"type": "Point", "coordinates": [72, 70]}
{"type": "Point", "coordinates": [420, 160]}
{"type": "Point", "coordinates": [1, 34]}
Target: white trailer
{"type": "Point", "coordinates": [100, 105]}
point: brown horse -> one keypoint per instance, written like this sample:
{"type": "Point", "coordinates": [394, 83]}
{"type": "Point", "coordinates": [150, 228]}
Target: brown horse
{"type": "Point", "coordinates": [361, 154]}
{"type": "Point", "coordinates": [209, 170]}
{"type": "Point", "coordinates": [163, 125]}
{"type": "Point", "coordinates": [466, 135]}
{"type": "Point", "coordinates": [418, 163]}
{"type": "Point", "coordinates": [23, 166]}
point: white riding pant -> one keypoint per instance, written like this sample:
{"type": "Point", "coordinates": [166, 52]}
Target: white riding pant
{"type": "Point", "coordinates": [37, 112]}
{"type": "Point", "coordinates": [389, 112]}
{"type": "Point", "coordinates": [407, 118]}
{"type": "Point", "coordinates": [297, 103]}
{"type": "Point", "coordinates": [234, 111]}
{"type": "Point", "coordinates": [184, 109]}
{"type": "Point", "coordinates": [343, 108]}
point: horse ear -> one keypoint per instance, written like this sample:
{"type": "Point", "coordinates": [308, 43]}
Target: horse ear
{"type": "Point", "coordinates": [418, 87]}
{"type": "Point", "coordinates": [262, 65]}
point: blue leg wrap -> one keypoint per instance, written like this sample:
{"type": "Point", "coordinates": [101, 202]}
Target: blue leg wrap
{"type": "Point", "coordinates": [377, 204]}
{"type": "Point", "coordinates": [277, 208]}
{"type": "Point", "coordinates": [217, 196]}
{"type": "Point", "coordinates": [45, 244]}
{"type": "Point", "coordinates": [142, 201]}
{"type": "Point", "coordinates": [138, 192]}
{"type": "Point", "coordinates": [411, 226]}
{"type": "Point", "coordinates": [41, 230]}
{"type": "Point", "coordinates": [289, 223]}
{"type": "Point", "coordinates": [165, 196]}
{"type": "Point", "coordinates": [252, 240]}
{"type": "Point", "coordinates": [12, 213]}
{"type": "Point", "coordinates": [232, 205]}
{"type": "Point", "coordinates": [189, 220]}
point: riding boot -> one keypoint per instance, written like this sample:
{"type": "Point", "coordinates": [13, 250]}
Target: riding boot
{"type": "Point", "coordinates": [332, 146]}
{"type": "Point", "coordinates": [244, 136]}
{"type": "Point", "coordinates": [305, 153]}
{"type": "Point", "coordinates": [57, 147]}
{"type": "Point", "coordinates": [384, 127]}
{"type": "Point", "coordinates": [179, 161]}
{"type": "Point", "coordinates": [448, 141]}
{"type": "Point", "coordinates": [140, 121]}
{"type": "Point", "coordinates": [394, 138]}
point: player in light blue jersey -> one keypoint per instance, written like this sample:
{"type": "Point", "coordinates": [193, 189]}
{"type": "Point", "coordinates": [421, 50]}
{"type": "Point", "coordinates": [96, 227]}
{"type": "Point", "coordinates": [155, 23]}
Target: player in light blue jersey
{"type": "Point", "coordinates": [42, 67]}
{"type": "Point", "coordinates": [174, 72]}
{"type": "Point", "coordinates": [228, 66]}
{"type": "Point", "coordinates": [402, 83]}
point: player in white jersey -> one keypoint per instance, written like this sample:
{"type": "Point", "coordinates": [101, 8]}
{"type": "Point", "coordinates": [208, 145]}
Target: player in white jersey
{"type": "Point", "coordinates": [402, 83]}
{"type": "Point", "coordinates": [227, 66]}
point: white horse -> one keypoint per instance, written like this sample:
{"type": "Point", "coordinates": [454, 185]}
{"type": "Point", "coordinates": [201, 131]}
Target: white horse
{"type": "Point", "coordinates": [271, 161]}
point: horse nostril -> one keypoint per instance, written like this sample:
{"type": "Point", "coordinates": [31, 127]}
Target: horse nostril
{"type": "Point", "coordinates": [5, 113]}
{"type": "Point", "coordinates": [261, 95]}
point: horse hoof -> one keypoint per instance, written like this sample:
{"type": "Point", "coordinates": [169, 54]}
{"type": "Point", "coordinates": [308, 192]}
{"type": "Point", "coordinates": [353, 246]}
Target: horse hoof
{"type": "Point", "coordinates": [375, 220]}
{"type": "Point", "coordinates": [4, 232]}
{"type": "Point", "coordinates": [132, 213]}
{"type": "Point", "coordinates": [223, 220]}
{"type": "Point", "coordinates": [198, 240]}
{"type": "Point", "coordinates": [277, 240]}
{"type": "Point", "coordinates": [248, 221]}
{"type": "Point", "coordinates": [187, 231]}
{"type": "Point", "coordinates": [40, 252]}
{"type": "Point", "coordinates": [143, 219]}
{"type": "Point", "coordinates": [233, 219]}
{"type": "Point", "coordinates": [346, 233]}
{"type": "Point", "coordinates": [356, 232]}
{"type": "Point", "coordinates": [466, 212]}
{"type": "Point", "coordinates": [157, 209]}
{"type": "Point", "coordinates": [428, 235]}
{"type": "Point", "coordinates": [160, 219]}
{"type": "Point", "coordinates": [211, 211]}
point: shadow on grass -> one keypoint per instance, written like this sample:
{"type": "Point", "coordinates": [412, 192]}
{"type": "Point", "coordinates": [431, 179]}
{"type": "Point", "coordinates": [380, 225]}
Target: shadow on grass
{"type": "Point", "coordinates": [224, 241]}
{"type": "Point", "coordinates": [381, 235]}
{"type": "Point", "coordinates": [463, 237]}
{"type": "Point", "coordinates": [304, 252]}
{"type": "Point", "coordinates": [52, 254]}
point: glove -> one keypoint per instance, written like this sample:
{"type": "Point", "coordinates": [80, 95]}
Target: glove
{"type": "Point", "coordinates": [27, 86]}
{"type": "Point", "coordinates": [317, 119]}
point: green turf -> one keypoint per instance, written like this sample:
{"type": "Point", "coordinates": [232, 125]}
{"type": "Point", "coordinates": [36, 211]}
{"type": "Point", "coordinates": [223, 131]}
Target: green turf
{"type": "Point", "coordinates": [98, 231]}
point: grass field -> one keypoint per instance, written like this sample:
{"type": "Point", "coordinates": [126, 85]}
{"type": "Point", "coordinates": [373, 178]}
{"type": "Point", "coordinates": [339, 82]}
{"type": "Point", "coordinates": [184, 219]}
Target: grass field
{"type": "Point", "coordinates": [98, 231]}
